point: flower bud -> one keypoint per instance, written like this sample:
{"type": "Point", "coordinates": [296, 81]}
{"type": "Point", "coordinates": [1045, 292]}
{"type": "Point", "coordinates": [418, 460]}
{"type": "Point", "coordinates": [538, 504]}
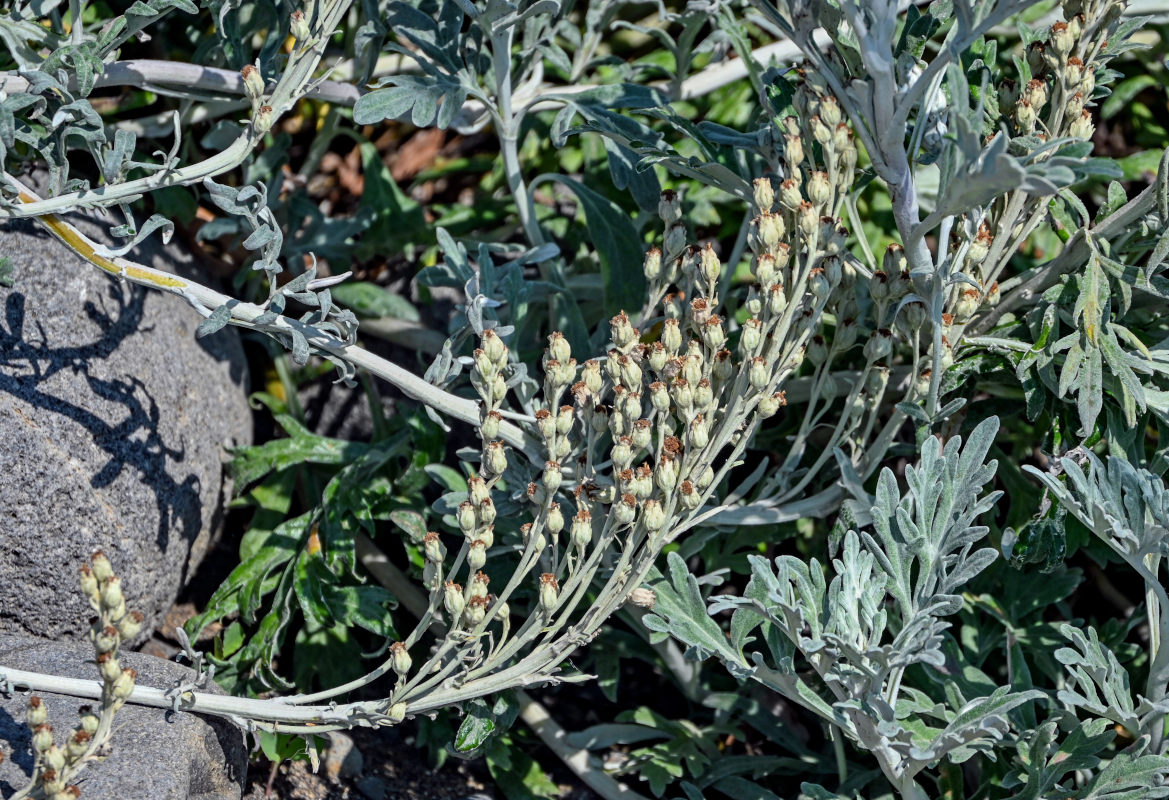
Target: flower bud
{"type": "Point", "coordinates": [78, 744]}
{"type": "Point", "coordinates": [1025, 116]}
{"type": "Point", "coordinates": [533, 537]}
{"type": "Point", "coordinates": [653, 265]}
{"type": "Point", "coordinates": [766, 271]}
{"type": "Point", "coordinates": [893, 262]}
{"type": "Point", "coordinates": [793, 150]}
{"type": "Point", "coordinates": [1036, 93]}
{"type": "Point", "coordinates": [820, 132]}
{"type": "Point", "coordinates": [54, 760]}
{"type": "Point", "coordinates": [914, 315]}
{"type": "Point", "coordinates": [495, 458]}
{"type": "Point", "coordinates": [922, 385]}
{"type": "Point", "coordinates": [479, 585]}
{"type": "Point", "coordinates": [564, 420]}
{"type": "Point", "coordinates": [555, 520]}
{"type": "Point", "coordinates": [498, 389]}
{"type": "Point", "coordinates": [709, 266]}
{"type": "Point", "coordinates": [400, 659]}
{"type": "Point", "coordinates": [36, 714]}
{"type": "Point", "coordinates": [124, 685]}
{"type": "Point", "coordinates": [477, 555]}
{"type": "Point", "coordinates": [630, 372]}
{"type": "Point", "coordinates": [713, 334]}
{"type": "Point", "coordinates": [467, 518]}
{"type": "Point", "coordinates": [549, 591]}
{"type": "Point", "coordinates": [703, 394]}
{"type": "Point", "coordinates": [582, 530]}
{"type": "Point", "coordinates": [623, 334]}
{"type": "Point", "coordinates": [770, 230]}
{"type": "Point", "coordinates": [697, 434]}
{"type": "Point", "coordinates": [818, 285]}
{"type": "Point", "coordinates": [653, 515]}
{"type": "Point", "coordinates": [819, 188]}
{"type": "Point", "coordinates": [682, 393]}
{"type": "Point", "coordinates": [817, 350]}
{"type": "Point", "coordinates": [625, 509]}
{"type": "Point", "coordinates": [659, 397]}
{"type": "Point", "coordinates": [669, 206]}
{"type": "Point", "coordinates": [88, 720]}
{"type": "Point", "coordinates": [111, 593]}
{"type": "Point", "coordinates": [967, 305]}
{"type": "Point", "coordinates": [1037, 57]}
{"type": "Point", "coordinates": [262, 122]}
{"type": "Point", "coordinates": [489, 424]}
{"type": "Point", "coordinates": [764, 194]}
{"type": "Point", "coordinates": [478, 490]}
{"type": "Point", "coordinates": [453, 599]}
{"type": "Point", "coordinates": [642, 598]}
{"type": "Point", "coordinates": [658, 357]}
{"type": "Point", "coordinates": [433, 547]}
{"type": "Point", "coordinates": [253, 82]}
{"type": "Point", "coordinates": [690, 497]}
{"type": "Point", "coordinates": [666, 474]}
{"type": "Point", "coordinates": [108, 666]}
{"type": "Point", "coordinates": [475, 611]}
{"type": "Point", "coordinates": [558, 348]}
{"type": "Point", "coordinates": [630, 406]}
{"type": "Point", "coordinates": [89, 585]}
{"type": "Point", "coordinates": [759, 376]}
{"type": "Point", "coordinates": [298, 26]}
{"type": "Point", "coordinates": [397, 713]}
{"type": "Point", "coordinates": [751, 336]}
{"type": "Point", "coordinates": [789, 195]}
{"type": "Point", "coordinates": [807, 220]}
{"type": "Point", "coordinates": [776, 299]}
{"type": "Point", "coordinates": [879, 345]}
{"type": "Point", "coordinates": [1061, 40]}
{"type": "Point", "coordinates": [592, 378]}
{"type": "Point", "coordinates": [842, 143]}
{"type": "Point", "coordinates": [1082, 127]}
{"type": "Point", "coordinates": [106, 639]}
{"type": "Point", "coordinates": [551, 477]}
{"type": "Point", "coordinates": [103, 570]}
{"type": "Point", "coordinates": [672, 336]}
{"type": "Point", "coordinates": [769, 405]}
{"type": "Point", "coordinates": [675, 241]}
{"type": "Point", "coordinates": [42, 737]}
{"type": "Point", "coordinates": [494, 348]}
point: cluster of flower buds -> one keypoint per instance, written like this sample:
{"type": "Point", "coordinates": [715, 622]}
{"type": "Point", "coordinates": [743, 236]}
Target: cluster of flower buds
{"type": "Point", "coordinates": [56, 765]}
{"type": "Point", "coordinates": [487, 377]}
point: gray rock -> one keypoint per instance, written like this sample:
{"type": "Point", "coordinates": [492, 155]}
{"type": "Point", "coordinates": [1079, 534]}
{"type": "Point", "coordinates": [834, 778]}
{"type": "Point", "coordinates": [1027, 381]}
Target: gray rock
{"type": "Point", "coordinates": [156, 754]}
{"type": "Point", "coordinates": [372, 788]}
{"type": "Point", "coordinates": [113, 419]}
{"type": "Point", "coordinates": [342, 759]}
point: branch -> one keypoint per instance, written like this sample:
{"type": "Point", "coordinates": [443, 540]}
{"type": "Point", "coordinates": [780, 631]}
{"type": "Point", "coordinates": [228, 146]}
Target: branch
{"type": "Point", "coordinates": [204, 300]}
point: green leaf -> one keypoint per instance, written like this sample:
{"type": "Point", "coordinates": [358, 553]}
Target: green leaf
{"type": "Point", "coordinates": [371, 300]}
{"type": "Point", "coordinates": [475, 729]}
{"type": "Point", "coordinates": [1130, 776]}
{"type": "Point", "coordinates": [1124, 92]}
{"type": "Point", "coordinates": [618, 246]}
{"type": "Point", "coordinates": [364, 606]}
{"type": "Point", "coordinates": [680, 611]}
{"type": "Point", "coordinates": [251, 463]}
{"type": "Point", "coordinates": [517, 774]}
{"type": "Point", "coordinates": [425, 100]}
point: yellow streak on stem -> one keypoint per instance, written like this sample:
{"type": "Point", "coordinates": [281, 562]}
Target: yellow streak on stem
{"type": "Point", "coordinates": [82, 247]}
